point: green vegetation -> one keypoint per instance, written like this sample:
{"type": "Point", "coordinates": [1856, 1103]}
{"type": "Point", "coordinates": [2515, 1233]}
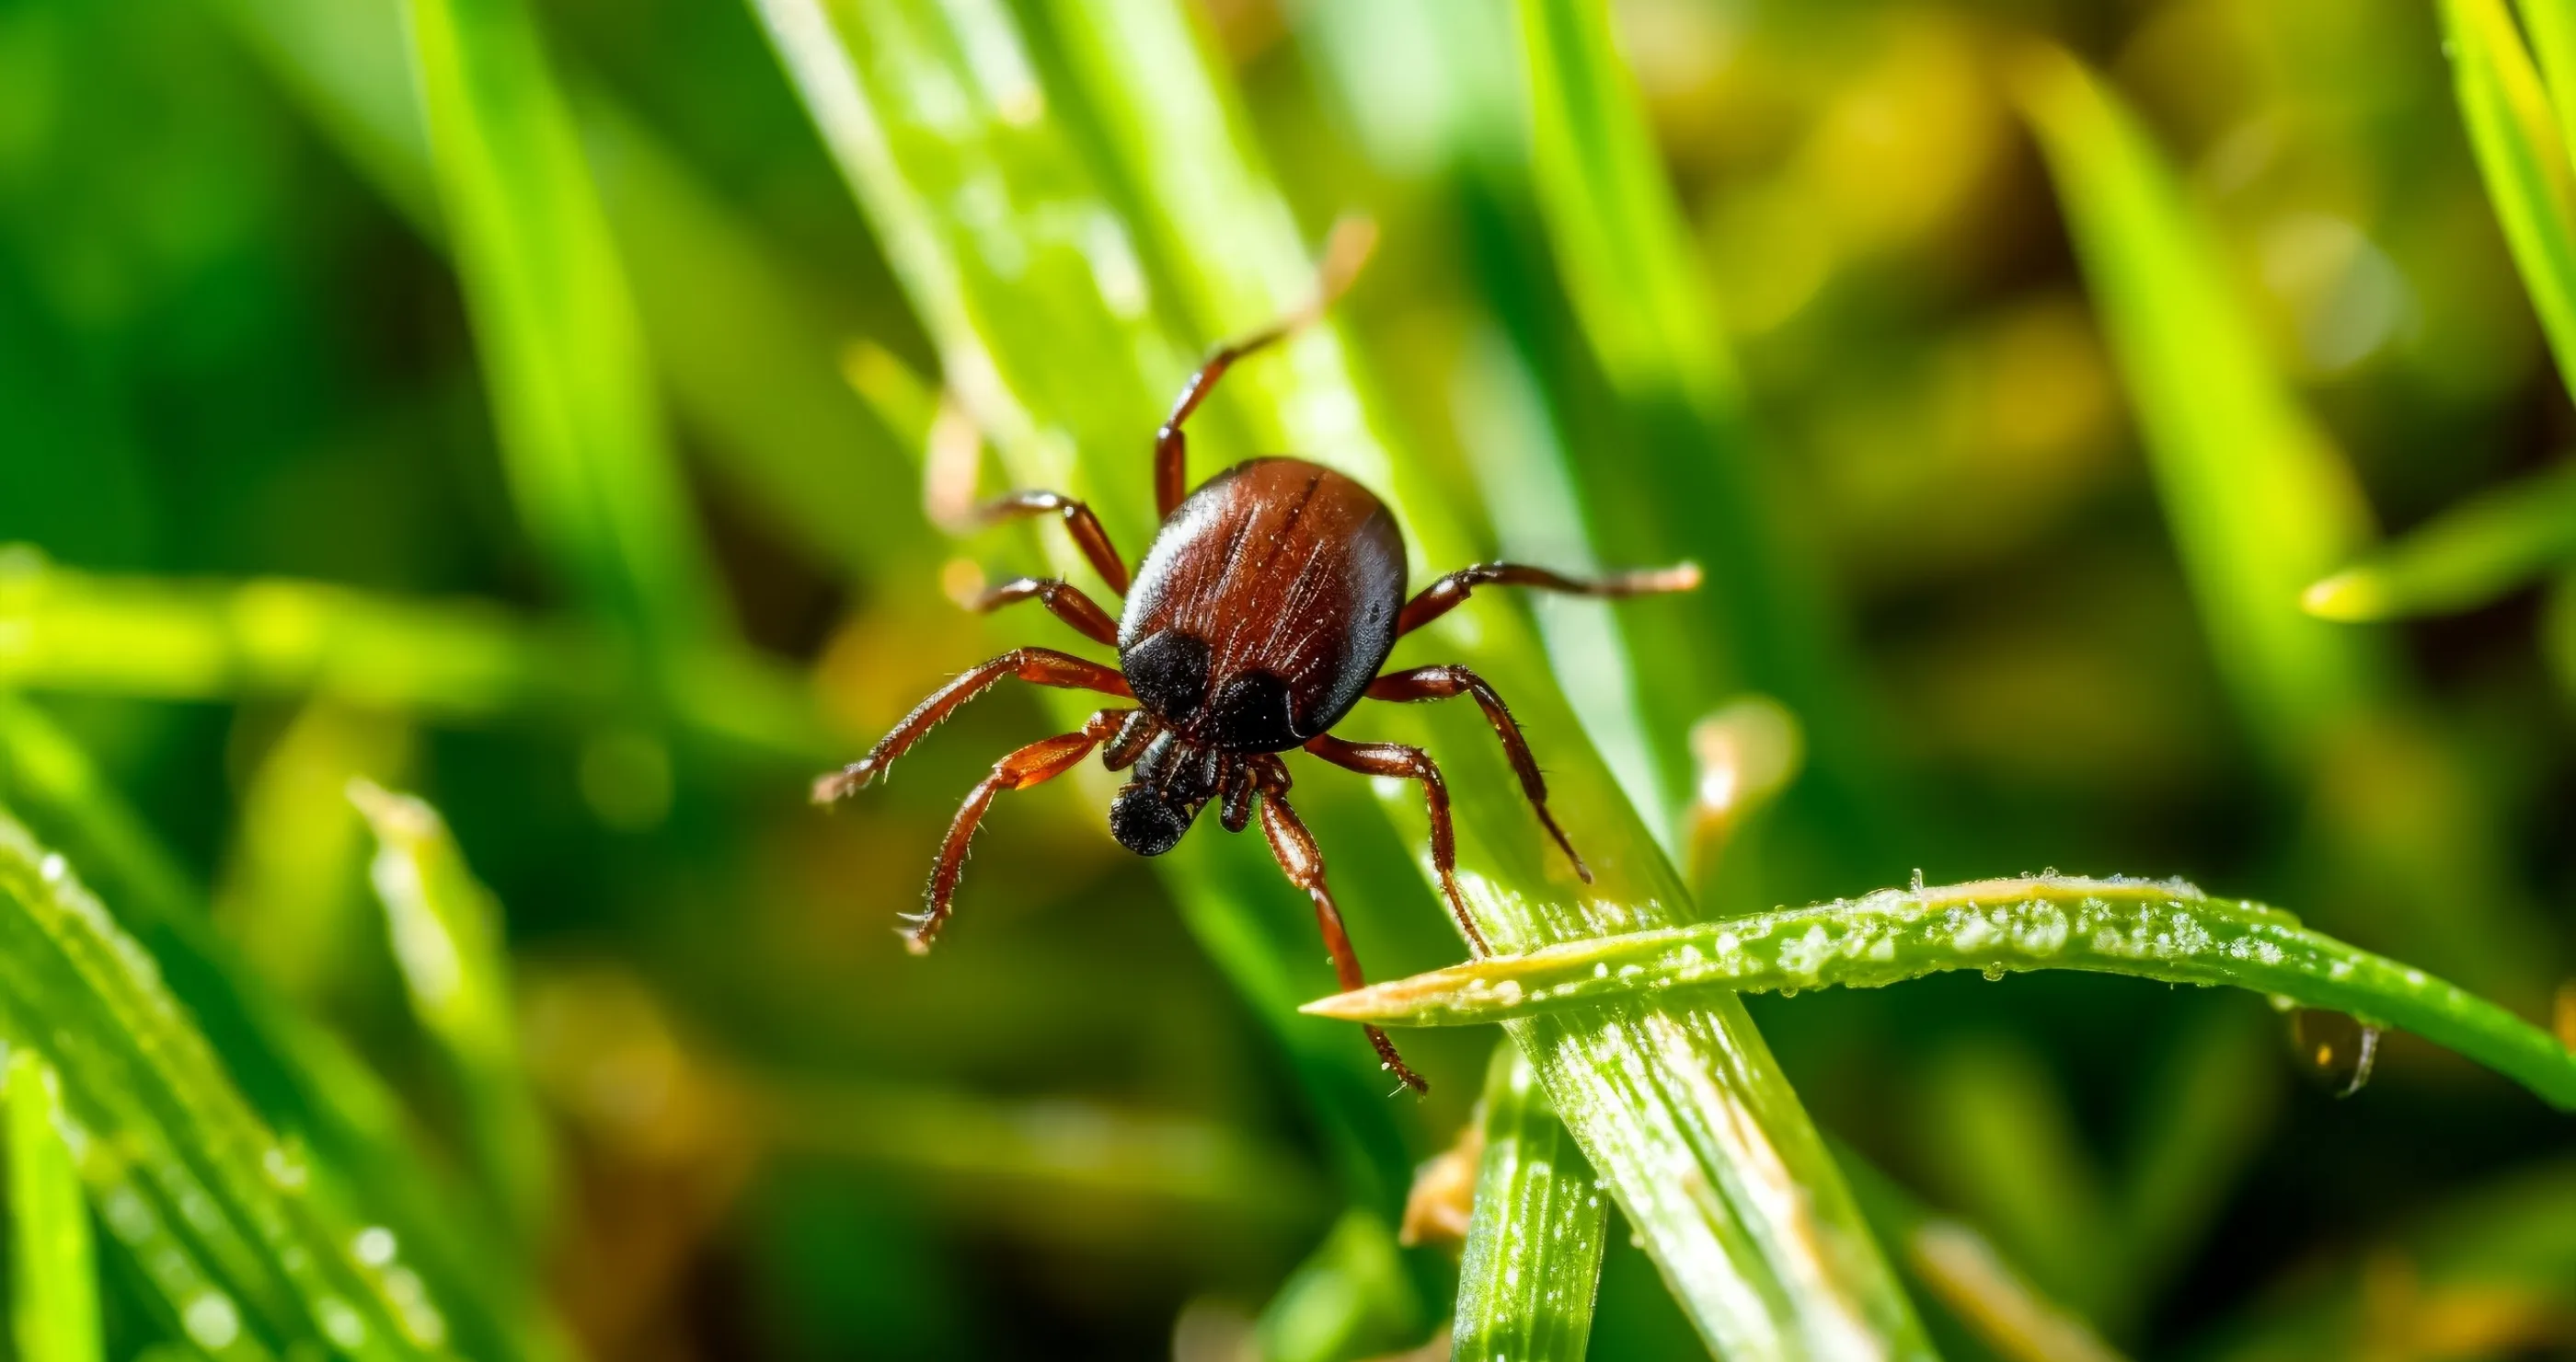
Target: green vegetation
{"type": "Point", "coordinates": [468, 464]}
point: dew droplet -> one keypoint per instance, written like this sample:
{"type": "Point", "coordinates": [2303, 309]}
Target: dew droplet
{"type": "Point", "coordinates": [2337, 1050]}
{"type": "Point", "coordinates": [1994, 974]}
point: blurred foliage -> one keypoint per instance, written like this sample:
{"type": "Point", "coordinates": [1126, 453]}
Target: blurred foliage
{"type": "Point", "coordinates": [512, 402]}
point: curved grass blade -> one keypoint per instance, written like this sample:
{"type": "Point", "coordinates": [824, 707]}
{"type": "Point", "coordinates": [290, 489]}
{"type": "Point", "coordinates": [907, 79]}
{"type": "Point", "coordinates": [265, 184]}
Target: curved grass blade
{"type": "Point", "coordinates": [589, 462]}
{"type": "Point", "coordinates": [447, 938]}
{"type": "Point", "coordinates": [53, 1270]}
{"type": "Point", "coordinates": [2152, 929]}
{"type": "Point", "coordinates": [2472, 554]}
{"type": "Point", "coordinates": [1030, 282]}
{"type": "Point", "coordinates": [2521, 152]}
{"type": "Point", "coordinates": [348, 1128]}
{"type": "Point", "coordinates": [454, 660]}
{"type": "Point", "coordinates": [1533, 1261]}
{"type": "Point", "coordinates": [212, 1205]}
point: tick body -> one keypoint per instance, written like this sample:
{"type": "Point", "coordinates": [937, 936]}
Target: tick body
{"type": "Point", "coordinates": [1263, 613]}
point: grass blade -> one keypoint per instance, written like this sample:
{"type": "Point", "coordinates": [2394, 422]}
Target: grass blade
{"type": "Point", "coordinates": [447, 938]}
{"type": "Point", "coordinates": [2521, 152]}
{"type": "Point", "coordinates": [581, 429]}
{"type": "Point", "coordinates": [1620, 235]}
{"type": "Point", "coordinates": [305, 1085]}
{"type": "Point", "coordinates": [2260, 503]}
{"type": "Point", "coordinates": [452, 660]}
{"type": "Point", "coordinates": [2151, 929]}
{"type": "Point", "coordinates": [53, 1278]}
{"type": "Point", "coordinates": [1028, 279]}
{"type": "Point", "coordinates": [1533, 1261]}
{"type": "Point", "coordinates": [214, 1208]}
{"type": "Point", "coordinates": [2472, 554]}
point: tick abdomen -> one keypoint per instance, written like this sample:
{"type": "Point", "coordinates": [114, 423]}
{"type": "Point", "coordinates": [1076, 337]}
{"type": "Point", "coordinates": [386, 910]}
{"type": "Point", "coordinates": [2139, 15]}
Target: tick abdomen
{"type": "Point", "coordinates": [1265, 606]}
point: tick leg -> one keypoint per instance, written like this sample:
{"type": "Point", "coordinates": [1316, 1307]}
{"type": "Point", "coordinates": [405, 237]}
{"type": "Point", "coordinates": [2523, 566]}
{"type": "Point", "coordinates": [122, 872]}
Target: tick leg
{"type": "Point", "coordinates": [1040, 666]}
{"type": "Point", "coordinates": [1448, 682]}
{"type": "Point", "coordinates": [1062, 599]}
{"type": "Point", "coordinates": [1344, 253]}
{"type": "Point", "coordinates": [1412, 763]}
{"type": "Point", "coordinates": [1443, 596]}
{"type": "Point", "coordinates": [1035, 764]}
{"type": "Point", "coordinates": [1078, 521]}
{"type": "Point", "coordinates": [1303, 862]}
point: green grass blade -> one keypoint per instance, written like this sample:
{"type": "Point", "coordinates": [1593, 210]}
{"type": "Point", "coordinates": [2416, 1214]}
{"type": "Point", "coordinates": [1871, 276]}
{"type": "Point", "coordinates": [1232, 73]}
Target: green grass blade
{"type": "Point", "coordinates": [217, 1211]}
{"type": "Point", "coordinates": [1029, 281]}
{"type": "Point", "coordinates": [455, 660]}
{"type": "Point", "coordinates": [1533, 1261]}
{"type": "Point", "coordinates": [2151, 929]}
{"type": "Point", "coordinates": [2259, 501]}
{"type": "Point", "coordinates": [581, 428]}
{"type": "Point", "coordinates": [304, 1083]}
{"type": "Point", "coordinates": [2521, 152]}
{"type": "Point", "coordinates": [1620, 235]}
{"type": "Point", "coordinates": [447, 938]}
{"type": "Point", "coordinates": [2472, 554]}
{"type": "Point", "coordinates": [53, 1270]}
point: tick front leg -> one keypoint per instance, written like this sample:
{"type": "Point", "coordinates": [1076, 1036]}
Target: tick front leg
{"type": "Point", "coordinates": [1443, 683]}
{"type": "Point", "coordinates": [1412, 763]}
{"type": "Point", "coordinates": [1348, 249]}
{"type": "Point", "coordinates": [1078, 521]}
{"type": "Point", "coordinates": [1303, 862]}
{"type": "Point", "coordinates": [1039, 666]}
{"type": "Point", "coordinates": [1445, 595]}
{"type": "Point", "coordinates": [1035, 764]}
{"type": "Point", "coordinates": [1062, 599]}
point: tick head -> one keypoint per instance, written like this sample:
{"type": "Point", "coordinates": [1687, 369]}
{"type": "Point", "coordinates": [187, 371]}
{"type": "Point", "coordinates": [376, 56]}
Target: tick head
{"type": "Point", "coordinates": [1173, 781]}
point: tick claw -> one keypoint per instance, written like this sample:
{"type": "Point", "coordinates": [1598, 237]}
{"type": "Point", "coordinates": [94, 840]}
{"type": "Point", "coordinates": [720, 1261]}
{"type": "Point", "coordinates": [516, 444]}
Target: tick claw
{"type": "Point", "coordinates": [843, 783]}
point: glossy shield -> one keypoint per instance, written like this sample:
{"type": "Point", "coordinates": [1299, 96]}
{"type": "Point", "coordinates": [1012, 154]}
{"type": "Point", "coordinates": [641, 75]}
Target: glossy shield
{"type": "Point", "coordinates": [1265, 607]}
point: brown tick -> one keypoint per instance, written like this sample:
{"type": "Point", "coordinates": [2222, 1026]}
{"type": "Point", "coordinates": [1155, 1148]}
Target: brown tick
{"type": "Point", "coordinates": [1262, 614]}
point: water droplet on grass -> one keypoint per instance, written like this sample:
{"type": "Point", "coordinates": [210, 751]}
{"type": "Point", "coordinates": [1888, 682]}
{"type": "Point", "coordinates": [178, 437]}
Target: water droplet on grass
{"type": "Point", "coordinates": [2336, 1049]}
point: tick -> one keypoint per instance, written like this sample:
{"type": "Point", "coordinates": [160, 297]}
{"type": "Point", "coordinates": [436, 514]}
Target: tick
{"type": "Point", "coordinates": [1262, 614]}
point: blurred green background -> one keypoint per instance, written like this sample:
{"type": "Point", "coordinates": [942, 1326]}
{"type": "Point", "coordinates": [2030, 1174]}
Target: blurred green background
{"type": "Point", "coordinates": [570, 480]}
